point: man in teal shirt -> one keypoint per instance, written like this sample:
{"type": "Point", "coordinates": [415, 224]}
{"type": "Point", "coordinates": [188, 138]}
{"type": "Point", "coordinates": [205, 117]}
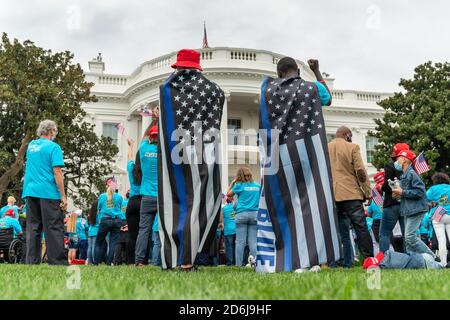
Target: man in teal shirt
{"type": "Point", "coordinates": [44, 192]}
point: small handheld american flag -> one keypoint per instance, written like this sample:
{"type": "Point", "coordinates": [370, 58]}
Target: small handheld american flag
{"type": "Point", "coordinates": [121, 128]}
{"type": "Point", "coordinates": [420, 164]}
{"type": "Point", "coordinates": [439, 213]}
{"type": "Point", "coordinates": [376, 197]}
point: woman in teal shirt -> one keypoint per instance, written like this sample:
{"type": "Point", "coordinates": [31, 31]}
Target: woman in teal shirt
{"type": "Point", "coordinates": [109, 217]}
{"type": "Point", "coordinates": [439, 196]}
{"type": "Point", "coordinates": [248, 193]}
{"type": "Point", "coordinates": [92, 232]}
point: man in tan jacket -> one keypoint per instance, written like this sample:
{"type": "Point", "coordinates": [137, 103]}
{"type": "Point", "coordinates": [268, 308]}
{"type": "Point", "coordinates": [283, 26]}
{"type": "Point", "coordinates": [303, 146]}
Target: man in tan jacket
{"type": "Point", "coordinates": [351, 188]}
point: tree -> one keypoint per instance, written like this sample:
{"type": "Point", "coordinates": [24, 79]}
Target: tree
{"type": "Point", "coordinates": [419, 117]}
{"type": "Point", "coordinates": [37, 84]}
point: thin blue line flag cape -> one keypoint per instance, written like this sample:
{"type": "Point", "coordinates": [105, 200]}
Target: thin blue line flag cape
{"type": "Point", "coordinates": [189, 189]}
{"type": "Point", "coordinates": [297, 221]}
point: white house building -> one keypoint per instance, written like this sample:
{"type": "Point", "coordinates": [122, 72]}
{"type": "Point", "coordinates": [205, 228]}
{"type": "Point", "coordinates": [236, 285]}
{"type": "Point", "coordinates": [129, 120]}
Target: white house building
{"type": "Point", "coordinates": [239, 72]}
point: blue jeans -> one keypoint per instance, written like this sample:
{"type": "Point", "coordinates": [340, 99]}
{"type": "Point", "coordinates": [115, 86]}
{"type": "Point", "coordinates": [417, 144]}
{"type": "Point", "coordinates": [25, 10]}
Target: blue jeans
{"type": "Point", "coordinates": [147, 217]}
{"type": "Point", "coordinates": [108, 226]}
{"type": "Point", "coordinates": [156, 253]}
{"type": "Point", "coordinates": [388, 221]}
{"type": "Point", "coordinates": [82, 249]}
{"type": "Point", "coordinates": [412, 242]}
{"type": "Point", "coordinates": [91, 249]}
{"type": "Point", "coordinates": [245, 233]}
{"type": "Point", "coordinates": [230, 249]}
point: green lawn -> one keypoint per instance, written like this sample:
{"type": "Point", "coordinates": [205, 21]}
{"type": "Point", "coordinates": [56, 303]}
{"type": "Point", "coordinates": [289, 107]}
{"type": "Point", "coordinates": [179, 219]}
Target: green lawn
{"type": "Point", "coordinates": [45, 282]}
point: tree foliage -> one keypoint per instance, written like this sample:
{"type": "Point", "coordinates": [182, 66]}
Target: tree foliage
{"type": "Point", "coordinates": [419, 116]}
{"type": "Point", "coordinates": [37, 84]}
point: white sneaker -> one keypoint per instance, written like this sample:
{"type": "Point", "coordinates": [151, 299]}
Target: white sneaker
{"type": "Point", "coordinates": [303, 270]}
{"type": "Point", "coordinates": [251, 261]}
{"type": "Point", "coordinates": [315, 269]}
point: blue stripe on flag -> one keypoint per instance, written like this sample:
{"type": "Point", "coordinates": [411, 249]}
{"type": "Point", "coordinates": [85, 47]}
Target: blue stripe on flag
{"type": "Point", "coordinates": [275, 187]}
{"type": "Point", "coordinates": [179, 177]}
{"type": "Point", "coordinates": [266, 249]}
{"type": "Point", "coordinates": [265, 240]}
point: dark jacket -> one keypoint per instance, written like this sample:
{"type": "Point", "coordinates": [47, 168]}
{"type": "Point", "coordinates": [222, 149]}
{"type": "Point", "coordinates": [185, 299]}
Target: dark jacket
{"type": "Point", "coordinates": [414, 196]}
{"type": "Point", "coordinates": [389, 173]}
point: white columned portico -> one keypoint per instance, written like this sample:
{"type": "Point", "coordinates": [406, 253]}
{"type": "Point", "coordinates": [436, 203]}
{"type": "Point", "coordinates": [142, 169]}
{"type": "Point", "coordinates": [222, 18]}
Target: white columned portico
{"type": "Point", "coordinates": [224, 140]}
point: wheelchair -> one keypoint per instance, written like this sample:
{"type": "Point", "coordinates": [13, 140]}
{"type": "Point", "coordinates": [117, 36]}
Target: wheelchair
{"type": "Point", "coordinates": [13, 249]}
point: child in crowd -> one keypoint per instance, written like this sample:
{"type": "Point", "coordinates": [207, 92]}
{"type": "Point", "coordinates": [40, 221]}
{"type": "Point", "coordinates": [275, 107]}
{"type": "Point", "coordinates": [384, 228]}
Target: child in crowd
{"type": "Point", "coordinates": [413, 201]}
{"type": "Point", "coordinates": [229, 230]}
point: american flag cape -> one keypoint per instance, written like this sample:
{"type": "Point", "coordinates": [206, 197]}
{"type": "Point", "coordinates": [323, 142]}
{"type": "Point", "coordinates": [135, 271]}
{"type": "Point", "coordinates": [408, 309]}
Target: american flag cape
{"type": "Point", "coordinates": [297, 221]}
{"type": "Point", "coordinates": [189, 189]}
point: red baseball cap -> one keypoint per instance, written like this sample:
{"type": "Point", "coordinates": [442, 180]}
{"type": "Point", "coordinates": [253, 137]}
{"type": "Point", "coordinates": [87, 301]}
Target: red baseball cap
{"type": "Point", "coordinates": [379, 177]}
{"type": "Point", "coordinates": [408, 154]}
{"type": "Point", "coordinates": [188, 58]}
{"type": "Point", "coordinates": [399, 147]}
{"type": "Point", "coordinates": [153, 133]}
{"type": "Point", "coordinates": [10, 213]}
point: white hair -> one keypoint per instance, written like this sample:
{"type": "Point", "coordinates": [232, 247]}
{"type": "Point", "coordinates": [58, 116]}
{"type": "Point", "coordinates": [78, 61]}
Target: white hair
{"type": "Point", "coordinates": [45, 127]}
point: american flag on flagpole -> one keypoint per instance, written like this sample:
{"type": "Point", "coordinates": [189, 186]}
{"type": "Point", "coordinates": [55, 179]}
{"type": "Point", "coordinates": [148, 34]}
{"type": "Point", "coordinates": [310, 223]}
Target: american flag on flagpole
{"type": "Point", "coordinates": [420, 164]}
{"type": "Point", "coordinates": [145, 112]}
{"type": "Point", "coordinates": [205, 37]}
{"type": "Point", "coordinates": [121, 128]}
{"type": "Point", "coordinates": [376, 197]}
{"type": "Point", "coordinates": [438, 213]}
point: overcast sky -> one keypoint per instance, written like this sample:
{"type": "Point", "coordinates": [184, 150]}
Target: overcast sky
{"type": "Point", "coordinates": [366, 45]}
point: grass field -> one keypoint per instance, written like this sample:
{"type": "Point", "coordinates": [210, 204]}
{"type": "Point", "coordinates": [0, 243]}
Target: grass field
{"type": "Point", "coordinates": [45, 282]}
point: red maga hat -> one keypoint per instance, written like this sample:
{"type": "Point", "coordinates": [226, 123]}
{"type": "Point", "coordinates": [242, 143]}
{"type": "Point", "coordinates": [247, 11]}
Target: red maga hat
{"type": "Point", "coordinates": [399, 147]}
{"type": "Point", "coordinates": [379, 177]}
{"type": "Point", "coordinates": [188, 58]}
{"type": "Point", "coordinates": [408, 154]}
{"type": "Point", "coordinates": [153, 133]}
{"type": "Point", "coordinates": [10, 213]}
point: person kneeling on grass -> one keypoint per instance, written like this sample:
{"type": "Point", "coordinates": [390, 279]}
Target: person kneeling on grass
{"type": "Point", "coordinates": [413, 202]}
{"type": "Point", "coordinates": [397, 260]}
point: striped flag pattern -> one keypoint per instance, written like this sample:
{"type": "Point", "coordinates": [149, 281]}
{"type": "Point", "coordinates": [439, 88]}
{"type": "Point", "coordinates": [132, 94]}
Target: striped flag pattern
{"type": "Point", "coordinates": [120, 127]}
{"type": "Point", "coordinates": [297, 201]}
{"type": "Point", "coordinates": [420, 164]}
{"type": "Point", "coordinates": [189, 193]}
{"type": "Point", "coordinates": [376, 197]}
{"type": "Point", "coordinates": [439, 212]}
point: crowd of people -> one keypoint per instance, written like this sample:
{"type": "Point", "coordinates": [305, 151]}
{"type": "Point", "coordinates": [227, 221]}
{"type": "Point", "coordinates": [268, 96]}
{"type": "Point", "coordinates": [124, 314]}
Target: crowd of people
{"type": "Point", "coordinates": [125, 230]}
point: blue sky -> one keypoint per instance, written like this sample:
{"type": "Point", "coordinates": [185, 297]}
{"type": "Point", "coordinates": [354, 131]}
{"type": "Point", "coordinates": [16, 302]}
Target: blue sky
{"type": "Point", "coordinates": [365, 45]}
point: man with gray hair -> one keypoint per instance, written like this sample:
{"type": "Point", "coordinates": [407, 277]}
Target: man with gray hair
{"type": "Point", "coordinates": [43, 190]}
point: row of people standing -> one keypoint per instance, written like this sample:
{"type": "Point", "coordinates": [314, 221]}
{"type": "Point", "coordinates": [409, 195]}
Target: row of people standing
{"type": "Point", "coordinates": [140, 212]}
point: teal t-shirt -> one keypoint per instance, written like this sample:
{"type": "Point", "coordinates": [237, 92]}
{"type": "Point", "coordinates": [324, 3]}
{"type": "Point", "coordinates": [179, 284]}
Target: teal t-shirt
{"type": "Point", "coordinates": [6, 208]}
{"type": "Point", "coordinates": [323, 93]}
{"type": "Point", "coordinates": [440, 193]}
{"type": "Point", "coordinates": [135, 190]}
{"type": "Point", "coordinates": [369, 222]}
{"type": "Point", "coordinates": [149, 164]}
{"type": "Point", "coordinates": [228, 213]}
{"type": "Point", "coordinates": [248, 196]}
{"type": "Point", "coordinates": [375, 210]}
{"type": "Point", "coordinates": [112, 208]}
{"type": "Point", "coordinates": [8, 222]}
{"type": "Point", "coordinates": [93, 230]}
{"type": "Point", "coordinates": [123, 210]}
{"type": "Point", "coordinates": [81, 228]}
{"type": "Point", "coordinates": [42, 156]}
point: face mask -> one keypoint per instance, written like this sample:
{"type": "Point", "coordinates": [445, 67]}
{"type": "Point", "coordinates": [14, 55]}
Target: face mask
{"type": "Point", "coordinates": [398, 166]}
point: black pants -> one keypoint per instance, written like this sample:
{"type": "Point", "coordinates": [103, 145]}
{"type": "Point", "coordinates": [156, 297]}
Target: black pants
{"type": "Point", "coordinates": [120, 255]}
{"type": "Point", "coordinates": [351, 213]}
{"type": "Point", "coordinates": [45, 215]}
{"type": "Point", "coordinates": [376, 229]}
{"type": "Point", "coordinates": [133, 217]}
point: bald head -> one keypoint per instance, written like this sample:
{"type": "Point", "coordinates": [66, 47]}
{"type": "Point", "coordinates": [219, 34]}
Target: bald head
{"type": "Point", "coordinates": [344, 133]}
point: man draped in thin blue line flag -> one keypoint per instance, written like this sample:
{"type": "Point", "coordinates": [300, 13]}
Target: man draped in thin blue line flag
{"type": "Point", "coordinates": [297, 223]}
{"type": "Point", "coordinates": [189, 193]}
